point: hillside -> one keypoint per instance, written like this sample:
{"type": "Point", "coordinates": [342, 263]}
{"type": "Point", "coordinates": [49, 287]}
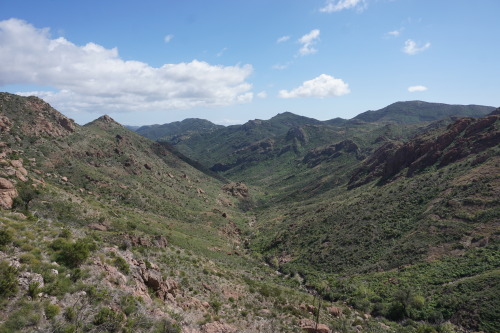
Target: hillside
{"type": "Point", "coordinates": [418, 111]}
{"type": "Point", "coordinates": [384, 197]}
{"type": "Point", "coordinates": [104, 230]}
{"type": "Point", "coordinates": [420, 217]}
{"type": "Point", "coordinates": [395, 225]}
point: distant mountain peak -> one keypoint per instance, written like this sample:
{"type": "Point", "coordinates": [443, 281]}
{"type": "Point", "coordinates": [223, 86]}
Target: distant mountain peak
{"type": "Point", "coordinates": [105, 121]}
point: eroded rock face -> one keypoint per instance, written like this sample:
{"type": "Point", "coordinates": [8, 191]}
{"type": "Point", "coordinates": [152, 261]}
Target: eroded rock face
{"type": "Point", "coordinates": [165, 290]}
{"type": "Point", "coordinates": [463, 137]}
{"type": "Point", "coordinates": [322, 154]}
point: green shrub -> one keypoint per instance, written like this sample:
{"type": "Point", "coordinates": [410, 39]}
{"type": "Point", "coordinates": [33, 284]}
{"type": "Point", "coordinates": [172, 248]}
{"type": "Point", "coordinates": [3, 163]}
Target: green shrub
{"type": "Point", "coordinates": [128, 304]}
{"type": "Point", "coordinates": [70, 314]}
{"type": "Point", "coordinates": [73, 254]}
{"type": "Point", "coordinates": [52, 310]}
{"type": "Point", "coordinates": [122, 265]}
{"type": "Point", "coordinates": [5, 238]}
{"type": "Point", "coordinates": [34, 289]}
{"type": "Point", "coordinates": [108, 320]}
{"type": "Point", "coordinates": [8, 279]}
{"type": "Point", "coordinates": [166, 326]}
{"type": "Point", "coordinates": [28, 315]}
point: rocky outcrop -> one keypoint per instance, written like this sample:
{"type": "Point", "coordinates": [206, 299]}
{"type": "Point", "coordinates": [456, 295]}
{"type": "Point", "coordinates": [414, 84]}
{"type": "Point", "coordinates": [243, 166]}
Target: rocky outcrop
{"type": "Point", "coordinates": [236, 189]}
{"type": "Point", "coordinates": [7, 193]}
{"type": "Point", "coordinates": [164, 289]}
{"type": "Point", "coordinates": [310, 326]}
{"type": "Point", "coordinates": [5, 124]}
{"type": "Point", "coordinates": [323, 154]}
{"type": "Point", "coordinates": [297, 133]}
{"type": "Point", "coordinates": [464, 137]}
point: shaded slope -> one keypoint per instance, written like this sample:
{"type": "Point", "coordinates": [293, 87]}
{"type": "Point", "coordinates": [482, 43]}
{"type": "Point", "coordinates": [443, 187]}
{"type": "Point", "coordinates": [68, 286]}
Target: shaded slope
{"type": "Point", "coordinates": [177, 131]}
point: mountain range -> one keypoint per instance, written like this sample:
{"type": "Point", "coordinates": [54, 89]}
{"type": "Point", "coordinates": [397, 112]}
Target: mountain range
{"type": "Point", "coordinates": [387, 222]}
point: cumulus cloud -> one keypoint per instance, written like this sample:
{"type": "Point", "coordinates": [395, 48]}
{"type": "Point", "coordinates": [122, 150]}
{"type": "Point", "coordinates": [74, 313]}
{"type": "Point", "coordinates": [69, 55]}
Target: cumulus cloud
{"type": "Point", "coordinates": [168, 38]}
{"type": "Point", "coordinates": [338, 5]}
{"type": "Point", "coordinates": [417, 88]}
{"type": "Point", "coordinates": [282, 39]}
{"type": "Point", "coordinates": [307, 41]}
{"type": "Point", "coordinates": [412, 48]}
{"type": "Point", "coordinates": [321, 86]}
{"type": "Point", "coordinates": [94, 78]}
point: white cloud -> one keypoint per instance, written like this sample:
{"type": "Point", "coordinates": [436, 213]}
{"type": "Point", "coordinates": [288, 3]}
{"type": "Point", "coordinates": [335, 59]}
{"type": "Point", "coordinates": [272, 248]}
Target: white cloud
{"type": "Point", "coordinates": [412, 48]}
{"type": "Point", "coordinates": [262, 94]}
{"type": "Point", "coordinates": [282, 39]}
{"type": "Point", "coordinates": [307, 41]}
{"type": "Point", "coordinates": [338, 5]}
{"type": "Point", "coordinates": [321, 86]}
{"type": "Point", "coordinates": [168, 38]}
{"type": "Point", "coordinates": [395, 33]}
{"type": "Point", "coordinates": [92, 78]}
{"type": "Point", "coordinates": [417, 88]}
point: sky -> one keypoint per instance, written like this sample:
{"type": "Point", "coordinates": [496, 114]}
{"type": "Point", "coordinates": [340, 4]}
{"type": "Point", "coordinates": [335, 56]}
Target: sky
{"type": "Point", "coordinates": [153, 62]}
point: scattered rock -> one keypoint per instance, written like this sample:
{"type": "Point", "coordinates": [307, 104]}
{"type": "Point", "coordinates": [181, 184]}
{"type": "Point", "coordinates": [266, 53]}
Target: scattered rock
{"type": "Point", "coordinates": [26, 278]}
{"type": "Point", "coordinates": [99, 227]}
{"type": "Point", "coordinates": [239, 190]}
{"type": "Point", "coordinates": [335, 311]}
{"type": "Point", "coordinates": [217, 327]}
{"type": "Point", "coordinates": [310, 326]}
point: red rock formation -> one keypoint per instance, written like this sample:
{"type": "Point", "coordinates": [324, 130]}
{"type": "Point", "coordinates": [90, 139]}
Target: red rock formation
{"type": "Point", "coordinates": [463, 137]}
{"type": "Point", "coordinates": [7, 193]}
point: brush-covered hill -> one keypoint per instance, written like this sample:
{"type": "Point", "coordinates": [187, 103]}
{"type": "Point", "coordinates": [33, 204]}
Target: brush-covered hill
{"type": "Point", "coordinates": [178, 130]}
{"type": "Point", "coordinates": [103, 230]}
{"type": "Point", "coordinates": [419, 111]}
{"type": "Point", "coordinates": [234, 148]}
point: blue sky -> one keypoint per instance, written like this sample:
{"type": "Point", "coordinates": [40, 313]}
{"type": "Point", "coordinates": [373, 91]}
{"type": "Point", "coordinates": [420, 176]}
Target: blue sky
{"type": "Point", "coordinates": [145, 62]}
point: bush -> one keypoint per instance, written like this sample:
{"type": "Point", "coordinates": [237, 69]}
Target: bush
{"type": "Point", "coordinates": [52, 310]}
{"type": "Point", "coordinates": [122, 265]}
{"type": "Point", "coordinates": [128, 304]}
{"type": "Point", "coordinates": [8, 279]}
{"type": "Point", "coordinates": [73, 254]}
{"type": "Point", "coordinates": [34, 289]}
{"type": "Point", "coordinates": [108, 320]}
{"type": "Point", "coordinates": [5, 238]}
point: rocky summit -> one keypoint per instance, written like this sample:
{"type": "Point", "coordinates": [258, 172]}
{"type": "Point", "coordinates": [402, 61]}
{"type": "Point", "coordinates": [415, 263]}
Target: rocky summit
{"type": "Point", "coordinates": [387, 222]}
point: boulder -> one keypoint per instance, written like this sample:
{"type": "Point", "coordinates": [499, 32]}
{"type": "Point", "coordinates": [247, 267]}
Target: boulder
{"type": "Point", "coordinates": [335, 311]}
{"type": "Point", "coordinates": [99, 227]}
{"type": "Point", "coordinates": [310, 326]}
{"type": "Point", "coordinates": [7, 193]}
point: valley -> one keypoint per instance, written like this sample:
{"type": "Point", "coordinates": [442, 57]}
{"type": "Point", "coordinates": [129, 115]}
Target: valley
{"type": "Point", "coordinates": [386, 222]}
